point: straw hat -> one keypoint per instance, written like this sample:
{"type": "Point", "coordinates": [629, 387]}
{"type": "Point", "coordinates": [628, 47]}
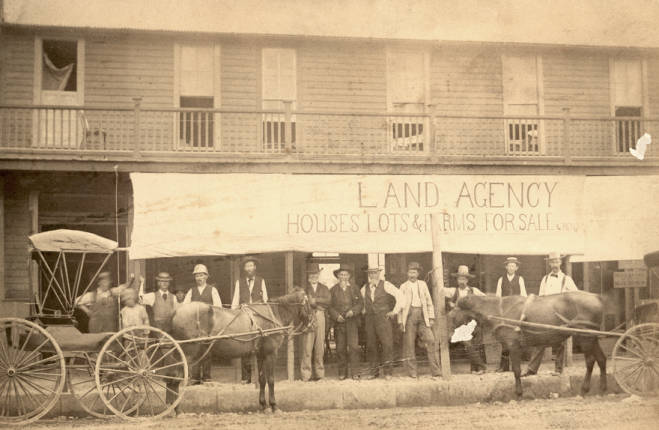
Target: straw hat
{"type": "Point", "coordinates": [164, 276]}
{"type": "Point", "coordinates": [247, 259]}
{"type": "Point", "coordinates": [512, 260]}
{"type": "Point", "coordinates": [372, 269]}
{"type": "Point", "coordinates": [462, 271]}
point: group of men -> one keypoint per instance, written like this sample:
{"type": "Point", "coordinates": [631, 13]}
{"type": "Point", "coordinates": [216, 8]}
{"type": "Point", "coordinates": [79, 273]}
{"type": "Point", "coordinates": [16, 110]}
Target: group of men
{"type": "Point", "coordinates": [344, 307]}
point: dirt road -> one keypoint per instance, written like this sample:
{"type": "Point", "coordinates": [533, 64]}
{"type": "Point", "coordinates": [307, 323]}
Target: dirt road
{"type": "Point", "coordinates": [609, 412]}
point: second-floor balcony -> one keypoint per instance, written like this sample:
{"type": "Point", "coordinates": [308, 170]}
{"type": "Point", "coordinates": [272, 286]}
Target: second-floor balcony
{"type": "Point", "coordinates": [211, 134]}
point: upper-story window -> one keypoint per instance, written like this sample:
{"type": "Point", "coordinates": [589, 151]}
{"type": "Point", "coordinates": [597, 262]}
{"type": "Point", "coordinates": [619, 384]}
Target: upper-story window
{"type": "Point", "coordinates": [407, 94]}
{"type": "Point", "coordinates": [279, 85]}
{"type": "Point", "coordinates": [627, 85]}
{"type": "Point", "coordinates": [197, 88]}
{"type": "Point", "coordinates": [59, 81]}
{"type": "Point", "coordinates": [521, 98]}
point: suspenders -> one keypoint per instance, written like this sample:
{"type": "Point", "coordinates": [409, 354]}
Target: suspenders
{"type": "Point", "coordinates": [562, 282]}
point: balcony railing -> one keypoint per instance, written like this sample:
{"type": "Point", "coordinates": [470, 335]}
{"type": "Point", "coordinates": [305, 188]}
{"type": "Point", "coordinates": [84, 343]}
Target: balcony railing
{"type": "Point", "coordinates": [141, 131]}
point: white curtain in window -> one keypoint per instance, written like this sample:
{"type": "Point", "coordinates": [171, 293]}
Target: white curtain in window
{"type": "Point", "coordinates": [196, 71]}
{"type": "Point", "coordinates": [520, 80]}
{"type": "Point", "coordinates": [406, 77]}
{"type": "Point", "coordinates": [55, 78]}
{"type": "Point", "coordinates": [628, 85]}
{"type": "Point", "coordinates": [279, 77]}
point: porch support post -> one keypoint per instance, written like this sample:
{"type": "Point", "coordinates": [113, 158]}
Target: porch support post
{"type": "Point", "coordinates": [234, 275]}
{"type": "Point", "coordinates": [567, 359]}
{"type": "Point", "coordinates": [290, 346]}
{"type": "Point", "coordinates": [440, 328]}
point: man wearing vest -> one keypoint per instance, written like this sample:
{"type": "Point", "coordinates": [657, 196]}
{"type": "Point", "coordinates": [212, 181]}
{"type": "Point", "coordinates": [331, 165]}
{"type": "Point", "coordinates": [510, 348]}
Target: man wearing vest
{"type": "Point", "coordinates": [380, 303]}
{"type": "Point", "coordinates": [511, 284]}
{"type": "Point", "coordinates": [205, 293]}
{"type": "Point", "coordinates": [345, 309]}
{"type": "Point", "coordinates": [555, 282]}
{"type": "Point", "coordinates": [249, 288]}
{"type": "Point", "coordinates": [313, 341]}
{"type": "Point", "coordinates": [416, 316]}
{"type": "Point", "coordinates": [474, 347]}
{"type": "Point", "coordinates": [163, 303]}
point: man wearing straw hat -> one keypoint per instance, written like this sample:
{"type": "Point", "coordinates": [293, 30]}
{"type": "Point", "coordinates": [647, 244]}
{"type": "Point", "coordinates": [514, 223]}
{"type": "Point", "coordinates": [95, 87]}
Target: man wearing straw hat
{"type": "Point", "coordinates": [555, 282]}
{"type": "Point", "coordinates": [380, 303]}
{"type": "Point", "coordinates": [416, 316]}
{"type": "Point", "coordinates": [345, 308]}
{"type": "Point", "coordinates": [163, 303]}
{"type": "Point", "coordinates": [474, 347]}
{"type": "Point", "coordinates": [510, 284]}
{"type": "Point", "coordinates": [313, 341]}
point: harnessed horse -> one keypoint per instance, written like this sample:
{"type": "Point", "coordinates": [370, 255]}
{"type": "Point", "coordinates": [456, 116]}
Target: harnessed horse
{"type": "Point", "coordinates": [266, 324]}
{"type": "Point", "coordinates": [575, 309]}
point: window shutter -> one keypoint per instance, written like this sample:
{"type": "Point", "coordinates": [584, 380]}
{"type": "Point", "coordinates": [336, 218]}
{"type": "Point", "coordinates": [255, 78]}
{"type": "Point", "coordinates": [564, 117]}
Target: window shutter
{"type": "Point", "coordinates": [520, 80]}
{"type": "Point", "coordinates": [271, 74]}
{"type": "Point", "coordinates": [287, 79]}
{"type": "Point", "coordinates": [628, 87]}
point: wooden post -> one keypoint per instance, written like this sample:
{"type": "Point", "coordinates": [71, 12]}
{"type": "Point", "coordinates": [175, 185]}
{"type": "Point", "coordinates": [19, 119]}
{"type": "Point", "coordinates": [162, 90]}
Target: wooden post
{"type": "Point", "coordinates": [33, 208]}
{"type": "Point", "coordinates": [440, 328]}
{"type": "Point", "coordinates": [567, 359]}
{"type": "Point", "coordinates": [234, 273]}
{"type": "Point", "coordinates": [290, 349]}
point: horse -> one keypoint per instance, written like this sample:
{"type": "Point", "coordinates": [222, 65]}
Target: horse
{"type": "Point", "coordinates": [575, 309]}
{"type": "Point", "coordinates": [195, 320]}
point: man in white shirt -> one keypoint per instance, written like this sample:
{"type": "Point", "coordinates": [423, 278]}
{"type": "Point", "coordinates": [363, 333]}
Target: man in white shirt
{"type": "Point", "coordinates": [555, 282]}
{"type": "Point", "coordinates": [380, 303]}
{"type": "Point", "coordinates": [474, 347]}
{"type": "Point", "coordinates": [417, 315]}
{"type": "Point", "coordinates": [250, 288]}
{"type": "Point", "coordinates": [205, 293]}
{"type": "Point", "coordinates": [510, 284]}
{"type": "Point", "coordinates": [163, 303]}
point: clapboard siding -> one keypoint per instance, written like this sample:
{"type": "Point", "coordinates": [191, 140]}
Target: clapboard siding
{"type": "Point", "coordinates": [17, 58]}
{"type": "Point", "coordinates": [580, 82]}
{"type": "Point", "coordinates": [342, 78]}
{"type": "Point", "coordinates": [467, 82]}
{"type": "Point", "coordinates": [120, 69]}
{"type": "Point", "coordinates": [17, 228]}
{"type": "Point", "coordinates": [240, 77]}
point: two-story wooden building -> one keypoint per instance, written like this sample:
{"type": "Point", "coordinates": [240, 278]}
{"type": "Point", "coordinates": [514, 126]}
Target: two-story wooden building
{"type": "Point", "coordinates": [91, 91]}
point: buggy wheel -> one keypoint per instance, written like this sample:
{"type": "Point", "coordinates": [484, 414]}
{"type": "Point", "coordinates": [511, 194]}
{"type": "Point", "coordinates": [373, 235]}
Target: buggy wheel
{"type": "Point", "coordinates": [144, 364]}
{"type": "Point", "coordinates": [32, 371]}
{"type": "Point", "coordinates": [636, 360]}
{"type": "Point", "coordinates": [81, 383]}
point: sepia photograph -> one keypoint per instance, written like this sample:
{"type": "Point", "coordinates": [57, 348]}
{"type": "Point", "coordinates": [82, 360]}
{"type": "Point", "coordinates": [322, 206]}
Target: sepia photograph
{"type": "Point", "coordinates": [329, 214]}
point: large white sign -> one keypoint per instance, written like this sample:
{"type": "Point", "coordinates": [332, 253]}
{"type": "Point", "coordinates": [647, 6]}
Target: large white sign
{"type": "Point", "coordinates": [215, 214]}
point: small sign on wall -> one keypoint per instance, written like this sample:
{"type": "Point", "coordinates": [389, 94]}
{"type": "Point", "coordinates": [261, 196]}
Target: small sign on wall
{"type": "Point", "coordinates": [635, 278]}
{"type": "Point", "coordinates": [630, 264]}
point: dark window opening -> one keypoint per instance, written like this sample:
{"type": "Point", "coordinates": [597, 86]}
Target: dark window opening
{"type": "Point", "coordinates": [407, 136]}
{"type": "Point", "coordinates": [196, 128]}
{"type": "Point", "coordinates": [628, 131]}
{"type": "Point", "coordinates": [523, 136]}
{"type": "Point", "coordinates": [274, 135]}
{"type": "Point", "coordinates": [60, 61]}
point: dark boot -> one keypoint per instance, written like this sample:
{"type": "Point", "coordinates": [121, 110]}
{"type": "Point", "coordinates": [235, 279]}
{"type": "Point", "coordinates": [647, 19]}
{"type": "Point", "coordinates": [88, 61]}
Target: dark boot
{"type": "Point", "coordinates": [504, 364]}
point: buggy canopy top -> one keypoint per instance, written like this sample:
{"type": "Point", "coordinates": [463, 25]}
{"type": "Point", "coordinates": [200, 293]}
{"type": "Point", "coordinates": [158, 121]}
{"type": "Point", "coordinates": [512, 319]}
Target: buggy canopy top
{"type": "Point", "coordinates": [72, 241]}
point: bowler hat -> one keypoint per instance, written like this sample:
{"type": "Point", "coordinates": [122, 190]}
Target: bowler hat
{"type": "Point", "coordinates": [164, 276]}
{"type": "Point", "coordinates": [313, 268]}
{"type": "Point", "coordinates": [413, 265]}
{"type": "Point", "coordinates": [511, 260]}
{"type": "Point", "coordinates": [554, 256]}
{"type": "Point", "coordinates": [344, 267]}
{"type": "Point", "coordinates": [462, 271]}
{"type": "Point", "coordinates": [246, 259]}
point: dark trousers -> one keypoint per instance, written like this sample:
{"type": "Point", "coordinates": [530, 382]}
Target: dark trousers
{"type": "Point", "coordinates": [416, 325]}
{"type": "Point", "coordinates": [202, 370]}
{"type": "Point", "coordinates": [378, 330]}
{"type": "Point", "coordinates": [347, 346]}
{"type": "Point", "coordinates": [474, 349]}
{"type": "Point", "coordinates": [536, 360]}
{"type": "Point", "coordinates": [246, 368]}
